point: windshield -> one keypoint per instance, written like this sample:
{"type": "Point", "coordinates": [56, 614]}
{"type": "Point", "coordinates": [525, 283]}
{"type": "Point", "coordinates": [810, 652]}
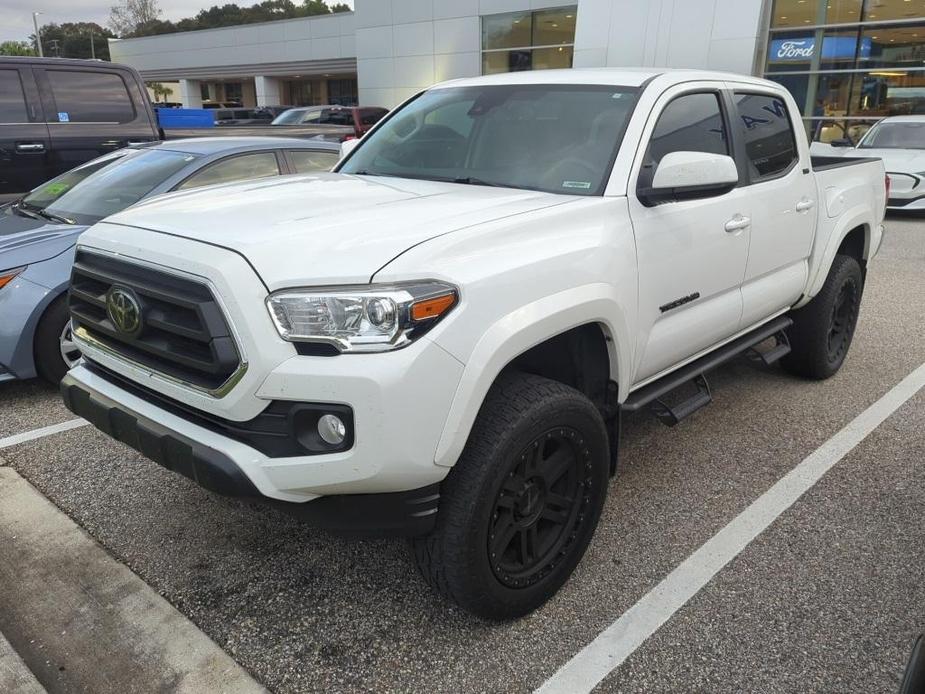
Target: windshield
{"type": "Point", "coordinates": [106, 185]}
{"type": "Point", "coordinates": [895, 135]}
{"type": "Point", "coordinates": [554, 138]}
{"type": "Point", "coordinates": [291, 117]}
{"type": "Point", "coordinates": [42, 197]}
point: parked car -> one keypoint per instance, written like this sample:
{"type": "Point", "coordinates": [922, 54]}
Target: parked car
{"type": "Point", "coordinates": [56, 114]}
{"type": "Point", "coordinates": [241, 116]}
{"type": "Point", "coordinates": [900, 142]}
{"type": "Point", "coordinates": [221, 104]}
{"type": "Point", "coordinates": [439, 339]}
{"type": "Point", "coordinates": [38, 232]}
{"type": "Point", "coordinates": [359, 118]}
{"type": "Point", "coordinates": [272, 111]}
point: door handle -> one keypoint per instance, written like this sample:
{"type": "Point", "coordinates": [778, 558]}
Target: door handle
{"type": "Point", "coordinates": [738, 223]}
{"type": "Point", "coordinates": [30, 147]}
{"type": "Point", "coordinates": [805, 205]}
{"type": "Point", "coordinates": [111, 143]}
{"type": "Point", "coordinates": [135, 143]}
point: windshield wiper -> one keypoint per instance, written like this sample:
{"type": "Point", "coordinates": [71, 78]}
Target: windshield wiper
{"type": "Point", "coordinates": [39, 213]}
{"type": "Point", "coordinates": [18, 209]}
{"type": "Point", "coordinates": [472, 181]}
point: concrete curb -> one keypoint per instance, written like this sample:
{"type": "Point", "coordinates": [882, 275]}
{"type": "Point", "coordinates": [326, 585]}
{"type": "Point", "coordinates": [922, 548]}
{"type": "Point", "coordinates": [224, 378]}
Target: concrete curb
{"type": "Point", "coordinates": [14, 675]}
{"type": "Point", "coordinates": [82, 621]}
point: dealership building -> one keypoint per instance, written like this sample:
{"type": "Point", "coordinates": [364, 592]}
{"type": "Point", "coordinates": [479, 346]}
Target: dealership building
{"type": "Point", "coordinates": [846, 61]}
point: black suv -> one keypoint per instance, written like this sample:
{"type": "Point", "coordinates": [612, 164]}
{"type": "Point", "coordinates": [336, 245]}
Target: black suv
{"type": "Point", "coordinates": [57, 113]}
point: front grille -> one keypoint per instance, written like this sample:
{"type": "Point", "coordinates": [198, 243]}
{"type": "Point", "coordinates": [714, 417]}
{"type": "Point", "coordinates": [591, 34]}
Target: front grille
{"type": "Point", "coordinates": [181, 332]}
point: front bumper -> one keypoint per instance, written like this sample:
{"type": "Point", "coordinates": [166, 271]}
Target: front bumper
{"type": "Point", "coordinates": [215, 467]}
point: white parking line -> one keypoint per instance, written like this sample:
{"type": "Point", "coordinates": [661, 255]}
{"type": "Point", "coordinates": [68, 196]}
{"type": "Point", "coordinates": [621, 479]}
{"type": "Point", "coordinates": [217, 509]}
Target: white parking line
{"type": "Point", "coordinates": [615, 644]}
{"type": "Point", "coordinates": [41, 433]}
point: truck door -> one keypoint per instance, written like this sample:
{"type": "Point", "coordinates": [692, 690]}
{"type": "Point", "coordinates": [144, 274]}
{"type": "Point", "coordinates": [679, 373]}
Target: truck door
{"type": "Point", "coordinates": [691, 252]}
{"type": "Point", "coordinates": [91, 111]}
{"type": "Point", "coordinates": [24, 144]}
{"type": "Point", "coordinates": [782, 191]}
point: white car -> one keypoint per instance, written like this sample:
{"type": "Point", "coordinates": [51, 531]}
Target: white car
{"type": "Point", "coordinates": [440, 338]}
{"type": "Point", "coordinates": [900, 142]}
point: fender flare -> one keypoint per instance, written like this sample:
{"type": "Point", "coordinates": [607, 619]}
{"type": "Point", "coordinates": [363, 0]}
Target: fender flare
{"type": "Point", "coordinates": [856, 217]}
{"type": "Point", "coordinates": [519, 331]}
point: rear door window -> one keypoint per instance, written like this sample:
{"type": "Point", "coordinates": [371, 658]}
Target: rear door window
{"type": "Point", "coordinates": [310, 161]}
{"type": "Point", "coordinates": [765, 126]}
{"type": "Point", "coordinates": [12, 98]}
{"type": "Point", "coordinates": [238, 168]}
{"type": "Point", "coordinates": [90, 97]}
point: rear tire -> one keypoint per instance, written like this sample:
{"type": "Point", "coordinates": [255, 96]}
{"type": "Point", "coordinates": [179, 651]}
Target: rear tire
{"type": "Point", "coordinates": [822, 330]}
{"type": "Point", "coordinates": [52, 345]}
{"type": "Point", "coordinates": [520, 506]}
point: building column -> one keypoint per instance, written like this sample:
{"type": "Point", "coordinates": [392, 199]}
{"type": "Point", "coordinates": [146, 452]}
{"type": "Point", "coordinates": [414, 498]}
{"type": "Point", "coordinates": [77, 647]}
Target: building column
{"type": "Point", "coordinates": [268, 91]}
{"type": "Point", "coordinates": [190, 94]}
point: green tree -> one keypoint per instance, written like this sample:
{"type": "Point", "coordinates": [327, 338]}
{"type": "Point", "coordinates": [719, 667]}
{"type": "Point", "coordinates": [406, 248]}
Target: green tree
{"type": "Point", "coordinates": [159, 90]}
{"type": "Point", "coordinates": [17, 48]}
{"type": "Point", "coordinates": [128, 15]}
{"type": "Point", "coordinates": [75, 40]}
{"type": "Point", "coordinates": [231, 14]}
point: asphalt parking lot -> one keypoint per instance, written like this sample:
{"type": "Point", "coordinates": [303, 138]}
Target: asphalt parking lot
{"type": "Point", "coordinates": [828, 598]}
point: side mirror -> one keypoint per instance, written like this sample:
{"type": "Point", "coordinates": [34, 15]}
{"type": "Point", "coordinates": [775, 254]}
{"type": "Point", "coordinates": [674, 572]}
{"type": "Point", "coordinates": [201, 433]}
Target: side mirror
{"type": "Point", "coordinates": [843, 142]}
{"type": "Point", "coordinates": [689, 176]}
{"type": "Point", "coordinates": [347, 146]}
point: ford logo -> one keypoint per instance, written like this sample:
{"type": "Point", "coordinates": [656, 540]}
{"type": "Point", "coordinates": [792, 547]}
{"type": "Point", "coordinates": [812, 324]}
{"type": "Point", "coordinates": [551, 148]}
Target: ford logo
{"type": "Point", "coordinates": [124, 310]}
{"type": "Point", "coordinates": [796, 49]}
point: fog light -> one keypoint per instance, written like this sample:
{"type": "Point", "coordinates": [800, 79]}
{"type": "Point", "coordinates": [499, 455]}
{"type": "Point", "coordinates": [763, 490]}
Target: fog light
{"type": "Point", "coordinates": [331, 429]}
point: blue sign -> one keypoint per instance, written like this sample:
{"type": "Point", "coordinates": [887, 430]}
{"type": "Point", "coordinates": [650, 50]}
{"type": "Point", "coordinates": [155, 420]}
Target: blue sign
{"type": "Point", "coordinates": [833, 48]}
{"type": "Point", "coordinates": [63, 117]}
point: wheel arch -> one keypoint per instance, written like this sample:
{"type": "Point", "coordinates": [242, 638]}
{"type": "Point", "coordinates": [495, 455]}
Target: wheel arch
{"type": "Point", "coordinates": [580, 324]}
{"type": "Point", "coordinates": [854, 234]}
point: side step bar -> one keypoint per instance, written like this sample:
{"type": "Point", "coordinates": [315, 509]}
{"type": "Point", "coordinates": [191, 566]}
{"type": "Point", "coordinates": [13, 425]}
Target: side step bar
{"type": "Point", "coordinates": [694, 373]}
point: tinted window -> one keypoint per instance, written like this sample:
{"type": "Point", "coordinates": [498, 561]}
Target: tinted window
{"type": "Point", "coordinates": [690, 123]}
{"type": "Point", "coordinates": [111, 188]}
{"type": "Point", "coordinates": [12, 100]}
{"type": "Point", "coordinates": [83, 97]}
{"type": "Point", "coordinates": [371, 116]}
{"type": "Point", "coordinates": [307, 161]}
{"type": "Point", "coordinates": [336, 117]}
{"type": "Point", "coordinates": [240, 168]}
{"type": "Point", "coordinates": [556, 138]}
{"type": "Point", "coordinates": [765, 126]}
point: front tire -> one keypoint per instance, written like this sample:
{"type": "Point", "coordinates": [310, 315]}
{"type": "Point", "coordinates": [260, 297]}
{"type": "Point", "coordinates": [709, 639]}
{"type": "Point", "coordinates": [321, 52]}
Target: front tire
{"type": "Point", "coordinates": [54, 350]}
{"type": "Point", "coordinates": [822, 330]}
{"type": "Point", "coordinates": [519, 508]}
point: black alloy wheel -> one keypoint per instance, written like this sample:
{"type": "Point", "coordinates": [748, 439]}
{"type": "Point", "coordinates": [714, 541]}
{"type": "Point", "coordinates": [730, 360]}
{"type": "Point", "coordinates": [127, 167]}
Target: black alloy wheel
{"type": "Point", "coordinates": [540, 507]}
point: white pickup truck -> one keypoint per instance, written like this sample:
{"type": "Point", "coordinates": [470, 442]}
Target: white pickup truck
{"type": "Point", "coordinates": [439, 338]}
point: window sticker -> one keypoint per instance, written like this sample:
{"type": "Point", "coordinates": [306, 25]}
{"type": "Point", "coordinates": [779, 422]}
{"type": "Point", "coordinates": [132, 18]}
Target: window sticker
{"type": "Point", "coordinates": [64, 117]}
{"type": "Point", "coordinates": [56, 189]}
{"type": "Point", "coordinates": [583, 185]}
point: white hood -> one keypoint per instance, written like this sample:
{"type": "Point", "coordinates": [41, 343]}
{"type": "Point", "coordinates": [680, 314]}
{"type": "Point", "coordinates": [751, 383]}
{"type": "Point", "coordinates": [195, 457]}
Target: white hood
{"type": "Point", "coordinates": [896, 160]}
{"type": "Point", "coordinates": [328, 228]}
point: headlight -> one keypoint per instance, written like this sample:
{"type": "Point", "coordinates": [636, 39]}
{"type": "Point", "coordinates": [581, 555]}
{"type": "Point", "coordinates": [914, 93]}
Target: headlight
{"type": "Point", "coordinates": [7, 276]}
{"type": "Point", "coordinates": [361, 319]}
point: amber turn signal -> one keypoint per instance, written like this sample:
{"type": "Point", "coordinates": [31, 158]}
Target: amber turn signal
{"type": "Point", "coordinates": [7, 276]}
{"type": "Point", "coordinates": [432, 308]}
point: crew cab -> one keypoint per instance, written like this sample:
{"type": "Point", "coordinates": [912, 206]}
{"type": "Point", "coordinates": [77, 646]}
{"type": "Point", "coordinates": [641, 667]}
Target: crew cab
{"type": "Point", "coordinates": [56, 114]}
{"type": "Point", "coordinates": [439, 338]}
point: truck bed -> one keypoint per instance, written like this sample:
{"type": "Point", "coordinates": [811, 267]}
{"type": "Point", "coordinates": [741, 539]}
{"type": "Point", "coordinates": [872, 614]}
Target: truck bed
{"type": "Point", "coordinates": [824, 163]}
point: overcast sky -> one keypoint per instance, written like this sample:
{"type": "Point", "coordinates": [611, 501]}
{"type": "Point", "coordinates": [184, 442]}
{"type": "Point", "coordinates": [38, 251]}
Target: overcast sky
{"type": "Point", "coordinates": [17, 14]}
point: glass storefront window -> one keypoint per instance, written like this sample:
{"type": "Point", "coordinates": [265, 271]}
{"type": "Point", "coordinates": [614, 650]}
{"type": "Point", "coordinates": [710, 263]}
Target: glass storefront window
{"type": "Point", "coordinates": [512, 30]}
{"type": "Point", "coordinates": [893, 46]}
{"type": "Point", "coordinates": [554, 27]}
{"type": "Point", "coordinates": [887, 93]}
{"type": "Point", "coordinates": [528, 40]}
{"type": "Point", "coordinates": [889, 10]}
{"type": "Point", "coordinates": [801, 13]}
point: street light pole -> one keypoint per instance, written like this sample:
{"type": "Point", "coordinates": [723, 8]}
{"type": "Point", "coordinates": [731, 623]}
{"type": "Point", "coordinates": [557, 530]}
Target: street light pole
{"type": "Point", "coordinates": [92, 47]}
{"type": "Point", "coordinates": [38, 37]}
